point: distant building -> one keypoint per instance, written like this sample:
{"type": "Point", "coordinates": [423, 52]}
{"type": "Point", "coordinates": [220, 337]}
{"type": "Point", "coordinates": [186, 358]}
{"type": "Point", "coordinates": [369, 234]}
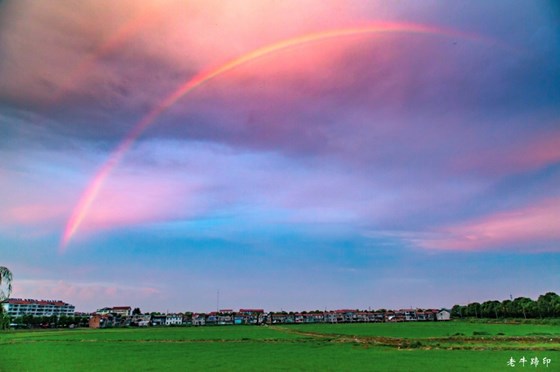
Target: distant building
{"type": "Point", "coordinates": [428, 314]}
{"type": "Point", "coordinates": [122, 310]}
{"type": "Point", "coordinates": [187, 319]}
{"type": "Point", "coordinates": [116, 310]}
{"type": "Point", "coordinates": [140, 320]}
{"type": "Point", "coordinates": [106, 321]}
{"type": "Point", "coordinates": [198, 319]}
{"type": "Point", "coordinates": [173, 319]}
{"type": "Point", "coordinates": [220, 318]}
{"type": "Point", "coordinates": [314, 317]}
{"type": "Point", "coordinates": [158, 319]}
{"type": "Point", "coordinates": [280, 318]}
{"type": "Point", "coordinates": [104, 311]}
{"type": "Point", "coordinates": [96, 321]}
{"type": "Point", "coordinates": [15, 307]}
{"type": "Point", "coordinates": [249, 316]}
{"type": "Point", "coordinates": [443, 314]}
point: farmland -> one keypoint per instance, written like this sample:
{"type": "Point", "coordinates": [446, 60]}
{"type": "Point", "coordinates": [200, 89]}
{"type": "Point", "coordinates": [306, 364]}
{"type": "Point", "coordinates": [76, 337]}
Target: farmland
{"type": "Point", "coordinates": [387, 346]}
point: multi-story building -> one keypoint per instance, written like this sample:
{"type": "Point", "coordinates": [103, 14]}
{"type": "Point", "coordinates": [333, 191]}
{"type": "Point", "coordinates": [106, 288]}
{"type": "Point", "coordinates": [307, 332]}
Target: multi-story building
{"type": "Point", "coordinates": [122, 310]}
{"type": "Point", "coordinates": [115, 310]}
{"type": "Point", "coordinates": [15, 307]}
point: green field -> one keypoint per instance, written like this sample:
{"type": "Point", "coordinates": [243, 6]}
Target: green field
{"type": "Point", "coordinates": [432, 346]}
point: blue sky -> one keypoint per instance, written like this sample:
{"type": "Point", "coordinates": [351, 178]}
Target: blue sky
{"type": "Point", "coordinates": [294, 155]}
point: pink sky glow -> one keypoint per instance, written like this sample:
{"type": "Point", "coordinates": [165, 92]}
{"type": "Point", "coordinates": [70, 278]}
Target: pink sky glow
{"type": "Point", "coordinates": [539, 223]}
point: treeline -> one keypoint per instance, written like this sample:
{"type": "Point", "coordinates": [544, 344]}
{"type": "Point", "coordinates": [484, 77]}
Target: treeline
{"type": "Point", "coordinates": [546, 306]}
{"type": "Point", "coordinates": [53, 321]}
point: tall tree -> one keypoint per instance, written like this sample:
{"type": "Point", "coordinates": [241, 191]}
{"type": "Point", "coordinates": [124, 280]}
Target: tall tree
{"type": "Point", "coordinates": [5, 283]}
{"type": "Point", "coordinates": [522, 306]}
{"type": "Point", "coordinates": [5, 290]}
{"type": "Point", "coordinates": [547, 304]}
{"type": "Point", "coordinates": [490, 309]}
{"type": "Point", "coordinates": [458, 311]}
{"type": "Point", "coordinates": [507, 308]}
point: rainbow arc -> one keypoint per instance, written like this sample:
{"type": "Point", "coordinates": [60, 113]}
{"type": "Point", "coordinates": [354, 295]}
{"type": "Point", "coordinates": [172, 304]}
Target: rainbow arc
{"type": "Point", "coordinates": [92, 190]}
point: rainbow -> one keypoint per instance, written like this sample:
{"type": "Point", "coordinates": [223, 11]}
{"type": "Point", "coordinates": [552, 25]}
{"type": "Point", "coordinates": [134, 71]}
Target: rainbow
{"type": "Point", "coordinates": [90, 193]}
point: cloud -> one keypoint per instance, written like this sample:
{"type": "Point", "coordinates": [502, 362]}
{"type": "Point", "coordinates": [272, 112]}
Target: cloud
{"type": "Point", "coordinates": [65, 52]}
{"type": "Point", "coordinates": [517, 155]}
{"type": "Point", "coordinates": [532, 228]}
{"type": "Point", "coordinates": [85, 295]}
{"type": "Point", "coordinates": [346, 151]}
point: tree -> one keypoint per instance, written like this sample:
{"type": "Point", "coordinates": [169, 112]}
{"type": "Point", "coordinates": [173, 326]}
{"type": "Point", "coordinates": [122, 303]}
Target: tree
{"type": "Point", "coordinates": [507, 309]}
{"type": "Point", "coordinates": [136, 311]}
{"type": "Point", "coordinates": [522, 306]}
{"type": "Point", "coordinates": [458, 311]}
{"type": "Point", "coordinates": [490, 309]}
{"type": "Point", "coordinates": [5, 283]}
{"type": "Point", "coordinates": [473, 309]}
{"type": "Point", "coordinates": [547, 304]}
{"type": "Point", "coordinates": [5, 291]}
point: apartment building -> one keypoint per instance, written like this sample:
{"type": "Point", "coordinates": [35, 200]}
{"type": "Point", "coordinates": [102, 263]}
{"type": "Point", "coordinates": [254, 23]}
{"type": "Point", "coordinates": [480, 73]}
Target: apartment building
{"type": "Point", "coordinates": [15, 307]}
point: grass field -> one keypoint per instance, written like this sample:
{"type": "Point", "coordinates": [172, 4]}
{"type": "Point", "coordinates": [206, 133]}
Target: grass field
{"type": "Point", "coordinates": [434, 346]}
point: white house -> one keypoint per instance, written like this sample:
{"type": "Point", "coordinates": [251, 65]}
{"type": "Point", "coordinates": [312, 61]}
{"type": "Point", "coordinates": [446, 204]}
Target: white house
{"type": "Point", "coordinates": [443, 314]}
{"type": "Point", "coordinates": [173, 319]}
{"type": "Point", "coordinates": [122, 310]}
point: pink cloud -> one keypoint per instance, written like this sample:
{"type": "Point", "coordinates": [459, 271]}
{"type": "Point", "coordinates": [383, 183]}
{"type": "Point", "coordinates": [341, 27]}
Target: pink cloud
{"type": "Point", "coordinates": [130, 199]}
{"type": "Point", "coordinates": [89, 295]}
{"type": "Point", "coordinates": [535, 152]}
{"type": "Point", "coordinates": [73, 52]}
{"type": "Point", "coordinates": [535, 224]}
{"type": "Point", "coordinates": [30, 214]}
{"type": "Point", "coordinates": [36, 204]}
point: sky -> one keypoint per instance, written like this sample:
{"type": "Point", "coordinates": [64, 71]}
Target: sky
{"type": "Point", "coordinates": [285, 155]}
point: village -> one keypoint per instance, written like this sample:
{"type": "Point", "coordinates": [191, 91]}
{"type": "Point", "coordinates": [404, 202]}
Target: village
{"type": "Point", "coordinates": [122, 316]}
{"type": "Point", "coordinates": [125, 316]}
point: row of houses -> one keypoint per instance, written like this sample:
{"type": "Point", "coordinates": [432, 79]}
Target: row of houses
{"type": "Point", "coordinates": [121, 316]}
{"type": "Point", "coordinates": [357, 316]}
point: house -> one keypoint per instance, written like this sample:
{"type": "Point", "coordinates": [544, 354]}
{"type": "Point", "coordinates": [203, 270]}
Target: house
{"type": "Point", "coordinates": [426, 315]}
{"type": "Point", "coordinates": [407, 314]}
{"type": "Point", "coordinates": [103, 321]}
{"type": "Point", "coordinates": [280, 318]}
{"type": "Point", "coordinates": [344, 316]}
{"type": "Point", "coordinates": [158, 320]}
{"type": "Point", "coordinates": [122, 310]}
{"type": "Point", "coordinates": [394, 316]}
{"type": "Point", "coordinates": [198, 319]}
{"type": "Point", "coordinates": [249, 316]}
{"type": "Point", "coordinates": [140, 320]}
{"type": "Point", "coordinates": [377, 317]}
{"type": "Point", "coordinates": [225, 318]}
{"type": "Point", "coordinates": [173, 319]}
{"type": "Point", "coordinates": [443, 314]}
{"type": "Point", "coordinates": [104, 311]}
{"type": "Point", "coordinates": [95, 321]}
{"type": "Point", "coordinates": [333, 317]}
{"type": "Point", "coordinates": [187, 318]}
{"type": "Point", "coordinates": [314, 317]}
{"type": "Point", "coordinates": [220, 318]}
